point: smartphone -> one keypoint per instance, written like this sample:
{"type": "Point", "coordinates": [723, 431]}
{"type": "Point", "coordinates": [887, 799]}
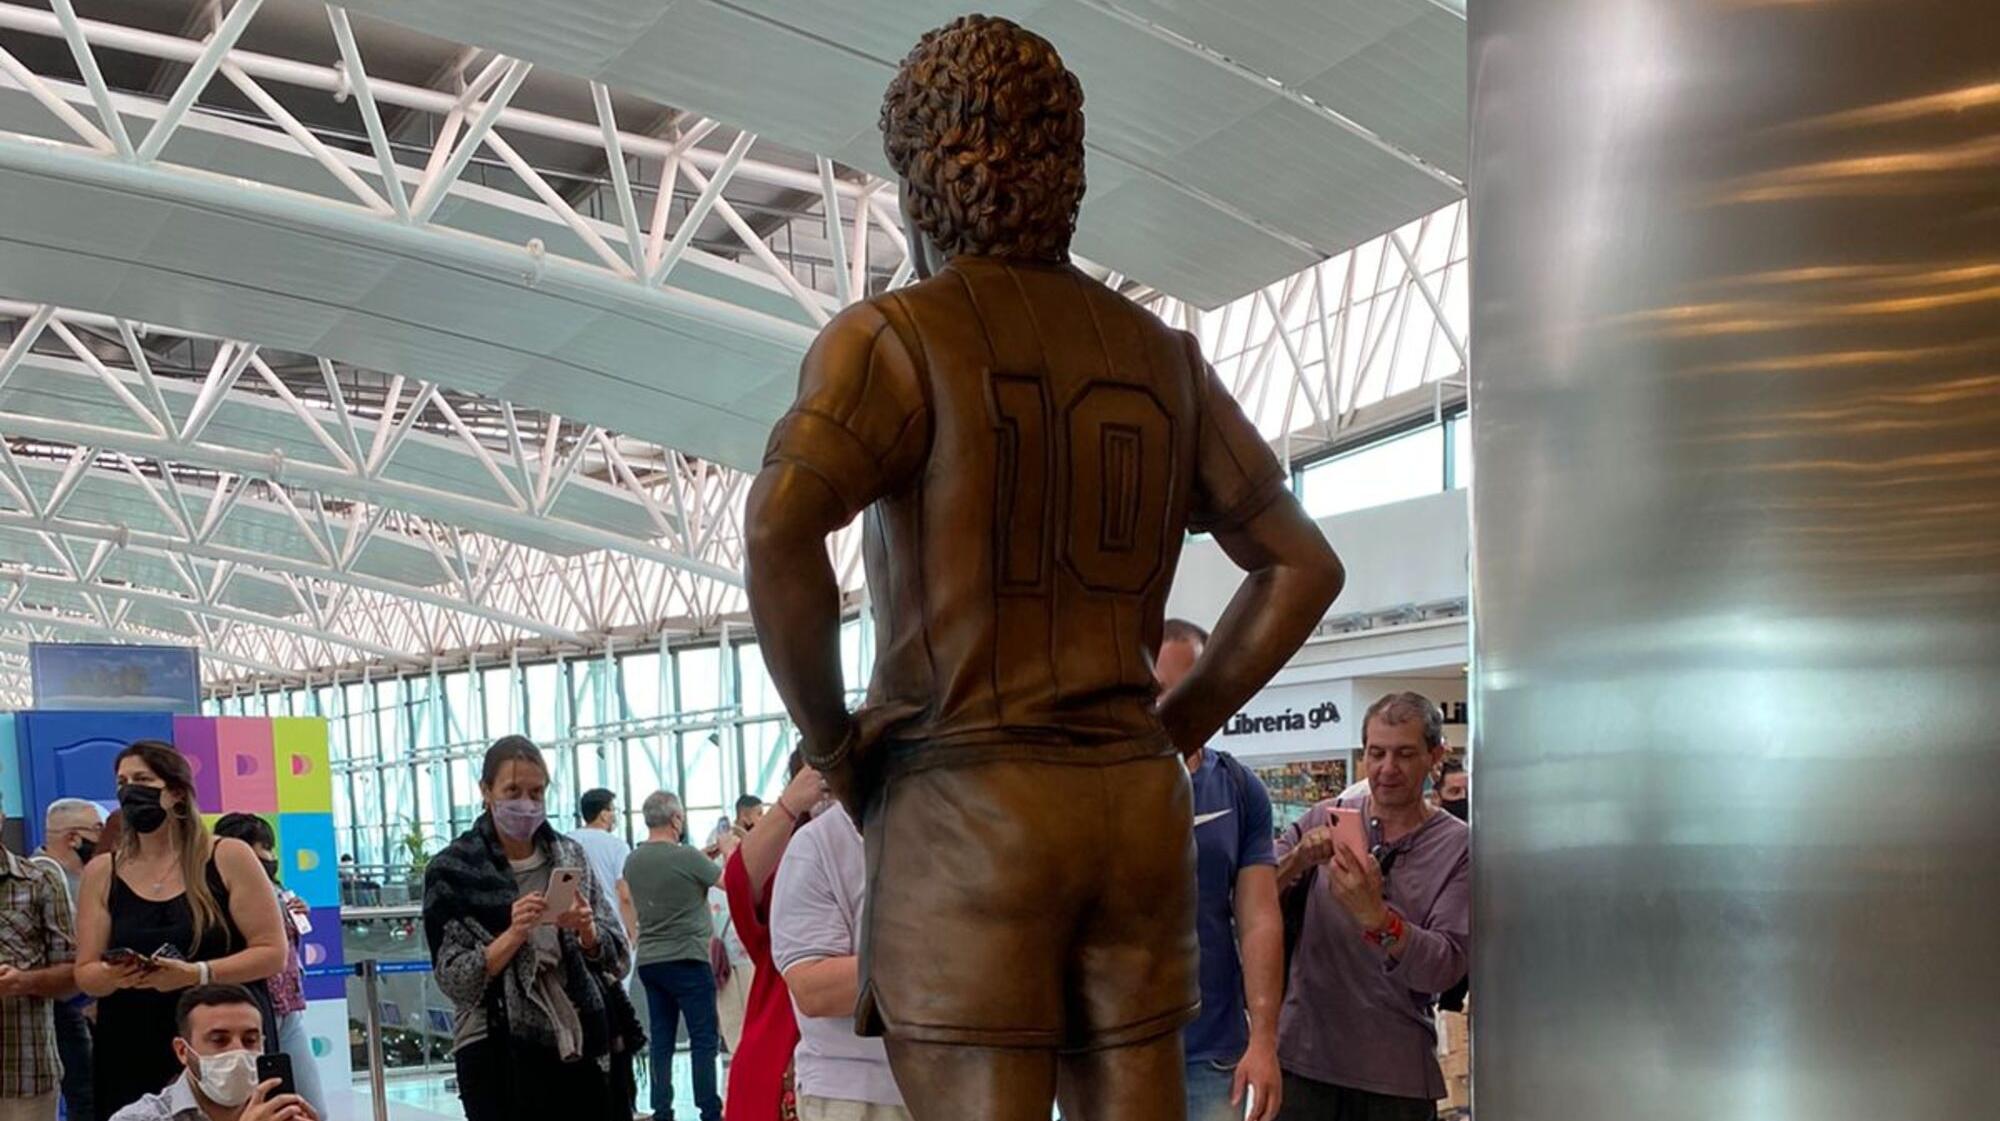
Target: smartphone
{"type": "Point", "coordinates": [300, 922]}
{"type": "Point", "coordinates": [1350, 830]}
{"type": "Point", "coordinates": [278, 1066]}
{"type": "Point", "coordinates": [121, 957]}
{"type": "Point", "coordinates": [561, 896]}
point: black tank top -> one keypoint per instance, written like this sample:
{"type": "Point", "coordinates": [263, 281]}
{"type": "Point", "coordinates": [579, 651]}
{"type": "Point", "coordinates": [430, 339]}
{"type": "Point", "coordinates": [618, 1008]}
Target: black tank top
{"type": "Point", "coordinates": [137, 1025]}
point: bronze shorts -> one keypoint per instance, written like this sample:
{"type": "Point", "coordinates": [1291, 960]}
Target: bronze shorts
{"type": "Point", "coordinates": [1024, 902]}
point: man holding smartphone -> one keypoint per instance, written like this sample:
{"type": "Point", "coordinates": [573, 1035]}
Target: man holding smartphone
{"type": "Point", "coordinates": [1384, 932]}
{"type": "Point", "coordinates": [221, 1036]}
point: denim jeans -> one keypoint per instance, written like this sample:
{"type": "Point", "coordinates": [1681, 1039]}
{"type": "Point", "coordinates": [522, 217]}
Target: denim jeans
{"type": "Point", "coordinates": [73, 1046]}
{"type": "Point", "coordinates": [677, 990]}
{"type": "Point", "coordinates": [1208, 1084]}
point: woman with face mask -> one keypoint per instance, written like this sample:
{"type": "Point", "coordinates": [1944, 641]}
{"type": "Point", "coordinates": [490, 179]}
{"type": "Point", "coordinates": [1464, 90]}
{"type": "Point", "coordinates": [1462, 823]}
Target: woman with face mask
{"type": "Point", "coordinates": [166, 909]}
{"type": "Point", "coordinates": [533, 1032]}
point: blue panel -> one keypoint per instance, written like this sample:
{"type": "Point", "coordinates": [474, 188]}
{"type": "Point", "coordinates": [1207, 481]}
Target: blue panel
{"type": "Point", "coordinates": [70, 755]}
{"type": "Point", "coordinates": [322, 948]}
{"type": "Point", "coordinates": [10, 768]}
{"type": "Point", "coordinates": [306, 860]}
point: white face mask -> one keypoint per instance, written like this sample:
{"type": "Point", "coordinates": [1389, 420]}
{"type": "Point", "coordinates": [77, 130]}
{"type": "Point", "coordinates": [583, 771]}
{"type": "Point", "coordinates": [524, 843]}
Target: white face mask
{"type": "Point", "coordinates": [227, 1079]}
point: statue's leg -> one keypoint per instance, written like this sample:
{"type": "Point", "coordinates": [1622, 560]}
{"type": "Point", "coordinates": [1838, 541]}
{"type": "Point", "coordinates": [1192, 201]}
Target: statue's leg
{"type": "Point", "coordinates": [1137, 1082]}
{"type": "Point", "coordinates": [954, 1082]}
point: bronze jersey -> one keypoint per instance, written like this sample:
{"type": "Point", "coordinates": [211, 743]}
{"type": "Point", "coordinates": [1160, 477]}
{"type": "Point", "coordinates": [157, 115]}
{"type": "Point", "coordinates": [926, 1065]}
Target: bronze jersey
{"type": "Point", "coordinates": [1031, 448]}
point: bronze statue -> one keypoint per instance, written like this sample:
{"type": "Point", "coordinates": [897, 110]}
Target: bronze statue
{"type": "Point", "coordinates": [1029, 449]}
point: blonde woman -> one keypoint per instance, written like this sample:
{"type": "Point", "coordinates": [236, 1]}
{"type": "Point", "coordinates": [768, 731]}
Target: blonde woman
{"type": "Point", "coordinates": [169, 908]}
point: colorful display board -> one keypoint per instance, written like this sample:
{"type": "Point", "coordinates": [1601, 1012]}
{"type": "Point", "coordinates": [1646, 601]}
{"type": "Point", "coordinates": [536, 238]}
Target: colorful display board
{"type": "Point", "coordinates": [275, 767]}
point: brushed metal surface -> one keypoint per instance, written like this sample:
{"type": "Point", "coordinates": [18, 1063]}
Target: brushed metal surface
{"type": "Point", "coordinates": [1736, 296]}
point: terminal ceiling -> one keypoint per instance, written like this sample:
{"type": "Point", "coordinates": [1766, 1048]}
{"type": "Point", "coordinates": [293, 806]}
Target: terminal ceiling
{"type": "Point", "coordinates": [366, 337]}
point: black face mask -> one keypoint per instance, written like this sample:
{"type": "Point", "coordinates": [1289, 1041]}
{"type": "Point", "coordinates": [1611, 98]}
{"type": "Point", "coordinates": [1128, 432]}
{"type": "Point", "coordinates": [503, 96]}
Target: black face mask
{"type": "Point", "coordinates": [270, 868]}
{"type": "Point", "coordinates": [1456, 807]}
{"type": "Point", "coordinates": [85, 849]}
{"type": "Point", "coordinates": [143, 811]}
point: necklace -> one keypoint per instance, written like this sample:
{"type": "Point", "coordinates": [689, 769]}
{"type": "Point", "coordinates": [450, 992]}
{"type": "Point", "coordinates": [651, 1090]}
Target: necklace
{"type": "Point", "coordinates": [167, 871]}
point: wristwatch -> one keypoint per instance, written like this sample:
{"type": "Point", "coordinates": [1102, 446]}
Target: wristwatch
{"type": "Point", "coordinates": [1390, 935]}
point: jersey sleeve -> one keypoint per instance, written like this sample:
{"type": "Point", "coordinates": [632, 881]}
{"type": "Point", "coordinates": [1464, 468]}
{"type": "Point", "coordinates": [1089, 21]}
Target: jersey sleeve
{"type": "Point", "coordinates": [1236, 475]}
{"type": "Point", "coordinates": [859, 423]}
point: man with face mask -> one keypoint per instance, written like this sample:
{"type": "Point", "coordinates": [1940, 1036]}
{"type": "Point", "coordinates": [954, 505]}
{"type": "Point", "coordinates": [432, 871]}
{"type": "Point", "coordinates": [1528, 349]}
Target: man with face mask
{"type": "Point", "coordinates": [664, 896]}
{"type": "Point", "coordinates": [1455, 790]}
{"type": "Point", "coordinates": [221, 1033]}
{"type": "Point", "coordinates": [70, 831]}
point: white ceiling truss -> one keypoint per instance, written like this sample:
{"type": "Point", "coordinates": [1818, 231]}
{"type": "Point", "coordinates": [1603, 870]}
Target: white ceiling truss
{"type": "Point", "coordinates": [480, 369]}
{"type": "Point", "coordinates": [354, 547]}
{"type": "Point", "coordinates": [385, 253]}
{"type": "Point", "coordinates": [1382, 319]}
{"type": "Point", "coordinates": [1229, 143]}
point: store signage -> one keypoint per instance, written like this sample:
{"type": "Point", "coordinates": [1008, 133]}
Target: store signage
{"type": "Point", "coordinates": [1243, 723]}
{"type": "Point", "coordinates": [1311, 717]}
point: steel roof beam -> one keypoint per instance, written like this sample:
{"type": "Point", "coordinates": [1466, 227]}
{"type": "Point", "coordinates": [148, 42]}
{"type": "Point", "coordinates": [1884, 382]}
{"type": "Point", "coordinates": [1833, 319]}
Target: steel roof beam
{"type": "Point", "coordinates": [278, 469]}
{"type": "Point", "coordinates": [268, 568]}
{"type": "Point", "coordinates": [21, 575]}
{"type": "Point", "coordinates": [128, 634]}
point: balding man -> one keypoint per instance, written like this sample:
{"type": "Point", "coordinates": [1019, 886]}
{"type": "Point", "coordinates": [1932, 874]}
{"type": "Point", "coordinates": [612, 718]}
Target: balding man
{"type": "Point", "coordinates": [70, 829]}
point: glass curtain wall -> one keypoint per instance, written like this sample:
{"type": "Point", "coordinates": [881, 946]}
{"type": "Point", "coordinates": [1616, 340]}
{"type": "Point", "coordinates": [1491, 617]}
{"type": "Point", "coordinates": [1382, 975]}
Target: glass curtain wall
{"type": "Point", "coordinates": [702, 720]}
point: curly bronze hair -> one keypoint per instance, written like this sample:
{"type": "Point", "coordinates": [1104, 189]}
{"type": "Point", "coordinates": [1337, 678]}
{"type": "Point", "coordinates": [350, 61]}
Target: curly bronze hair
{"type": "Point", "coordinates": [985, 126]}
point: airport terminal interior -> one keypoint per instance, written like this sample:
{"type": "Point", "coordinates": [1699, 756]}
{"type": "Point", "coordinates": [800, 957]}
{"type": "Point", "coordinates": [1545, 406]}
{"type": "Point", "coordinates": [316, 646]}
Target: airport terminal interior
{"type": "Point", "coordinates": [383, 379]}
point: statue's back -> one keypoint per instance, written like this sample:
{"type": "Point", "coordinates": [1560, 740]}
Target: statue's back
{"type": "Point", "coordinates": [1042, 446]}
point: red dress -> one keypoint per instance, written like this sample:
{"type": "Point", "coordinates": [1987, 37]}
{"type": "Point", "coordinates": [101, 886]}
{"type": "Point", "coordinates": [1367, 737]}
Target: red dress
{"type": "Point", "coordinates": [756, 1089]}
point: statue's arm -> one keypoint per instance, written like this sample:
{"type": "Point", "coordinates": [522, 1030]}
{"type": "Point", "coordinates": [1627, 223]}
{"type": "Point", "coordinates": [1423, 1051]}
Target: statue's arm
{"type": "Point", "coordinates": [855, 432]}
{"type": "Point", "coordinates": [1292, 574]}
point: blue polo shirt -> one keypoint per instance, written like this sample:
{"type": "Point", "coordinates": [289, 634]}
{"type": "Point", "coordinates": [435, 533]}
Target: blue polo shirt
{"type": "Point", "coordinates": [1232, 831]}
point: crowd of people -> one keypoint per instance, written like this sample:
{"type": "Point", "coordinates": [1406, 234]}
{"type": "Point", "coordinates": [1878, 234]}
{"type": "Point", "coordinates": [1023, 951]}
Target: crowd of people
{"type": "Point", "coordinates": [175, 948]}
{"type": "Point", "coordinates": [146, 962]}
{"type": "Point", "coordinates": [1321, 968]}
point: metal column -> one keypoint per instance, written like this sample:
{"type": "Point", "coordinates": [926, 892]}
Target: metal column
{"type": "Point", "coordinates": [1736, 302]}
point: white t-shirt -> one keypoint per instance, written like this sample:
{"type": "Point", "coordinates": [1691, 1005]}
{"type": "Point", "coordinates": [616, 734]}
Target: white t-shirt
{"type": "Point", "coordinates": [816, 913]}
{"type": "Point", "coordinates": [606, 853]}
{"type": "Point", "coordinates": [718, 913]}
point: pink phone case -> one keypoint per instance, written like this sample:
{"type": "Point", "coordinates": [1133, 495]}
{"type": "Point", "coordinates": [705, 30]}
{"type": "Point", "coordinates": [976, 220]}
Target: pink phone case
{"type": "Point", "coordinates": [1350, 829]}
{"type": "Point", "coordinates": [564, 883]}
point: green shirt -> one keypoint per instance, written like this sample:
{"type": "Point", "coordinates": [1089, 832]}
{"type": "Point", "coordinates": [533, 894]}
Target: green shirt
{"type": "Point", "coordinates": [669, 883]}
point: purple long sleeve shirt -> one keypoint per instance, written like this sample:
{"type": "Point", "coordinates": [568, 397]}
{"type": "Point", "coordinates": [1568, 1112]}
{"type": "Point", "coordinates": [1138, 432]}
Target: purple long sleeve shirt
{"type": "Point", "coordinates": [1355, 1016]}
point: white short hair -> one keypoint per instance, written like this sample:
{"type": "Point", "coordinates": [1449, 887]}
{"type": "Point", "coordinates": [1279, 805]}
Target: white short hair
{"type": "Point", "coordinates": [63, 808]}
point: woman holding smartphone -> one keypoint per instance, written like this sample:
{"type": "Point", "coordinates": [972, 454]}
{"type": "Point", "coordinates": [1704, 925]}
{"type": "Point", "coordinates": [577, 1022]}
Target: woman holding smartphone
{"type": "Point", "coordinates": [528, 984]}
{"type": "Point", "coordinates": [167, 908]}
